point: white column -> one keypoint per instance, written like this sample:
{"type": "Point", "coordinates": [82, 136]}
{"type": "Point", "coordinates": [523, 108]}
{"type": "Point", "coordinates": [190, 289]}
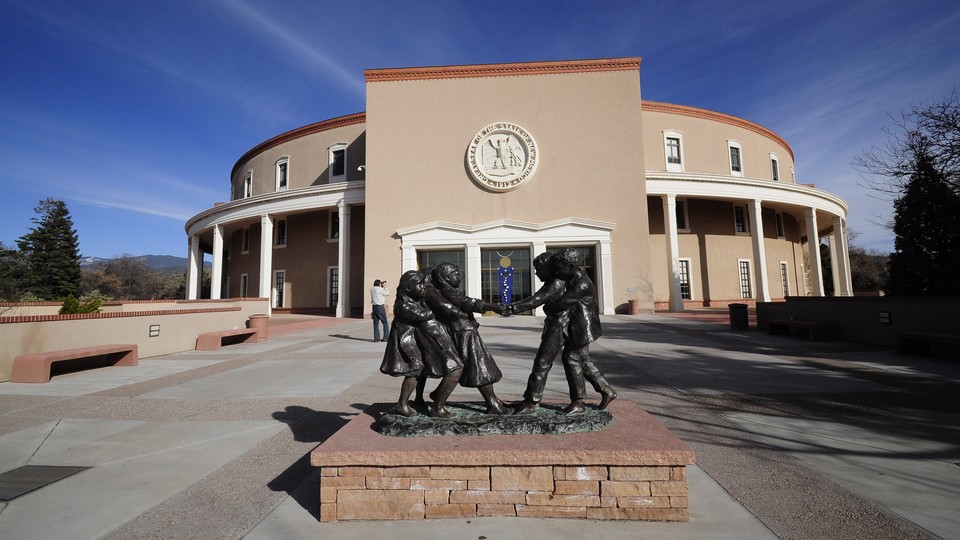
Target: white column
{"type": "Point", "coordinates": [408, 258]}
{"type": "Point", "coordinates": [673, 251]}
{"type": "Point", "coordinates": [840, 257]}
{"type": "Point", "coordinates": [472, 271]}
{"type": "Point", "coordinates": [343, 261]}
{"type": "Point", "coordinates": [536, 248]}
{"type": "Point", "coordinates": [216, 271]}
{"type": "Point", "coordinates": [606, 279]}
{"type": "Point", "coordinates": [759, 252]}
{"type": "Point", "coordinates": [266, 259]}
{"type": "Point", "coordinates": [194, 268]}
{"type": "Point", "coordinates": [813, 252]}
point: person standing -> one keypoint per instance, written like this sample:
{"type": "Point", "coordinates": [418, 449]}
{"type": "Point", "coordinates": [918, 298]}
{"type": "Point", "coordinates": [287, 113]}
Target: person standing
{"type": "Point", "coordinates": [378, 294]}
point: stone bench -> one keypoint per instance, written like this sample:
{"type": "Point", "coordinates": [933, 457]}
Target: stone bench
{"type": "Point", "coordinates": [209, 341]}
{"type": "Point", "coordinates": [926, 342]}
{"type": "Point", "coordinates": [815, 331]}
{"type": "Point", "coordinates": [35, 368]}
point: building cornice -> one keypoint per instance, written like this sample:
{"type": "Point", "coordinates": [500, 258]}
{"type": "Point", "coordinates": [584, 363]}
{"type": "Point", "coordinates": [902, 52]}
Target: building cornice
{"type": "Point", "coordinates": [317, 127]}
{"type": "Point", "coordinates": [502, 70]}
{"type": "Point", "coordinates": [670, 108]}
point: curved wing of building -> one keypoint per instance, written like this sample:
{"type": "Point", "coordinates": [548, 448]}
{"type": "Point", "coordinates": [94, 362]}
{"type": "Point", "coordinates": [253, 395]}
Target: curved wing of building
{"type": "Point", "coordinates": [489, 165]}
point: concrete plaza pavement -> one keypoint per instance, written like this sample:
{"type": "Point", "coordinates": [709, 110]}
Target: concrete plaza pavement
{"type": "Point", "coordinates": [793, 439]}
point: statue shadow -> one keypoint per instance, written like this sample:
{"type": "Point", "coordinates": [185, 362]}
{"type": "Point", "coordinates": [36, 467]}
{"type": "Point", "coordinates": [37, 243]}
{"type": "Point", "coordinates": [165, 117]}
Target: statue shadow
{"type": "Point", "coordinates": [301, 481]}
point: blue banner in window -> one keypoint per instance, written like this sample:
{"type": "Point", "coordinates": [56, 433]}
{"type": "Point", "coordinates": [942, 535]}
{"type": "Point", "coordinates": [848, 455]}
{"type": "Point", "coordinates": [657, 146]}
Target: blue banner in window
{"type": "Point", "coordinates": [505, 276]}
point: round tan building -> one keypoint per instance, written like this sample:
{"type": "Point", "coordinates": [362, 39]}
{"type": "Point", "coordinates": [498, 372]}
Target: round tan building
{"type": "Point", "coordinates": [489, 165]}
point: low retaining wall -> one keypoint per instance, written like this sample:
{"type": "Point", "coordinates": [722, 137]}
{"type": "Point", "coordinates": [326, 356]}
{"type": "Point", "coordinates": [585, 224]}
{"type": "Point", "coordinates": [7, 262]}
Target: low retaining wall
{"type": "Point", "coordinates": [872, 320]}
{"type": "Point", "coordinates": [155, 331]}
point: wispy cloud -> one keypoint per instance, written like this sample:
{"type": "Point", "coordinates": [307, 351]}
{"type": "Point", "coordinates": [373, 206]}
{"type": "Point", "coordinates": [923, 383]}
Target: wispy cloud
{"type": "Point", "coordinates": [302, 51]}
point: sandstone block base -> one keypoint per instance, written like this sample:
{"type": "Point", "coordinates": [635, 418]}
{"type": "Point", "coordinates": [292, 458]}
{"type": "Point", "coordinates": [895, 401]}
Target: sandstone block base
{"type": "Point", "coordinates": [633, 470]}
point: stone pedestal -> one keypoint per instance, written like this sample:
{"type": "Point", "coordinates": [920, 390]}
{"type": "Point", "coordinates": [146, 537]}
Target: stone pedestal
{"type": "Point", "coordinates": [633, 470]}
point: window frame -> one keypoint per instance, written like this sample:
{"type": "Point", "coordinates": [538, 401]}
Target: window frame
{"type": "Point", "coordinates": [683, 209]}
{"type": "Point", "coordinates": [778, 221]}
{"type": "Point", "coordinates": [677, 136]}
{"type": "Point", "coordinates": [282, 169]}
{"type": "Point", "coordinates": [741, 219]}
{"type": "Point", "coordinates": [245, 240]}
{"type": "Point", "coordinates": [745, 279]}
{"type": "Point", "coordinates": [248, 185]}
{"type": "Point", "coordinates": [785, 278]}
{"type": "Point", "coordinates": [281, 226]}
{"type": "Point", "coordinates": [333, 286]}
{"type": "Point", "coordinates": [774, 167]}
{"type": "Point", "coordinates": [244, 285]}
{"type": "Point", "coordinates": [282, 296]}
{"type": "Point", "coordinates": [331, 153]}
{"type": "Point", "coordinates": [731, 145]}
{"type": "Point", "coordinates": [681, 262]}
{"type": "Point", "coordinates": [333, 226]}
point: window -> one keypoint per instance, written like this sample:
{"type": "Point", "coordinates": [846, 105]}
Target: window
{"type": "Point", "coordinates": [784, 281]}
{"type": "Point", "coordinates": [685, 292]}
{"type": "Point", "coordinates": [673, 148]}
{"type": "Point", "coordinates": [248, 185]}
{"type": "Point", "coordinates": [779, 220]}
{"type": "Point", "coordinates": [283, 173]}
{"type": "Point", "coordinates": [333, 286]}
{"type": "Point", "coordinates": [740, 220]}
{"type": "Point", "coordinates": [746, 290]}
{"type": "Point", "coordinates": [281, 232]}
{"type": "Point", "coordinates": [333, 226]}
{"type": "Point", "coordinates": [338, 162]}
{"type": "Point", "coordinates": [774, 168]}
{"type": "Point", "coordinates": [736, 162]}
{"type": "Point", "coordinates": [279, 280]}
{"type": "Point", "coordinates": [244, 285]}
{"type": "Point", "coordinates": [245, 241]}
{"type": "Point", "coordinates": [682, 216]}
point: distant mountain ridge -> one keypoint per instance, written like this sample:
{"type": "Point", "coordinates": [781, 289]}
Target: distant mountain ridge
{"type": "Point", "coordinates": [165, 263]}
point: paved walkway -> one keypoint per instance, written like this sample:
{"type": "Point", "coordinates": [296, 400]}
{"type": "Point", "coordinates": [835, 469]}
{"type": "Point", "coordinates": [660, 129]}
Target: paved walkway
{"type": "Point", "coordinates": [793, 439]}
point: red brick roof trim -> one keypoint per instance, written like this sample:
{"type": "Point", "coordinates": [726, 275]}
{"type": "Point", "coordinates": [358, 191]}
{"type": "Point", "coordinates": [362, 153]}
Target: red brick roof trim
{"type": "Point", "coordinates": [670, 108]}
{"type": "Point", "coordinates": [502, 70]}
{"type": "Point", "coordinates": [318, 127]}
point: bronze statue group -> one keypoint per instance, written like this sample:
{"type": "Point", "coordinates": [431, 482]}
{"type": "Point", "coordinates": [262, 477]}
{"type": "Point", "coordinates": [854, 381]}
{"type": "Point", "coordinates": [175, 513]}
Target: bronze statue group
{"type": "Point", "coordinates": [434, 335]}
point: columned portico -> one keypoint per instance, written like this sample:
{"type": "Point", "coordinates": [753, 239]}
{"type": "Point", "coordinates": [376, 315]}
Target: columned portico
{"type": "Point", "coordinates": [673, 251]}
{"type": "Point", "coordinates": [266, 258]}
{"type": "Point", "coordinates": [813, 252]}
{"type": "Point", "coordinates": [343, 261]}
{"type": "Point", "coordinates": [194, 268]}
{"type": "Point", "coordinates": [759, 252]}
{"type": "Point", "coordinates": [216, 271]}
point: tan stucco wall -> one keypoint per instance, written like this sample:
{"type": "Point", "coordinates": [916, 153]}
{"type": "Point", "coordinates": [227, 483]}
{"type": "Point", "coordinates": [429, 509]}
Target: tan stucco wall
{"type": "Point", "coordinates": [705, 148]}
{"type": "Point", "coordinates": [178, 331]}
{"type": "Point", "coordinates": [309, 162]}
{"type": "Point", "coordinates": [587, 127]}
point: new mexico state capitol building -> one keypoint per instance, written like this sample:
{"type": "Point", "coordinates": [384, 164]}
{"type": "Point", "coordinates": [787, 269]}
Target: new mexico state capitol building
{"type": "Point", "coordinates": [489, 165]}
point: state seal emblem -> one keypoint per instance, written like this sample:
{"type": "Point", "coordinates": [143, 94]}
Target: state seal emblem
{"type": "Point", "coordinates": [502, 156]}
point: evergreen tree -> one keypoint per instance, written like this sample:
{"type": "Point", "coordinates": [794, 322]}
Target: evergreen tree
{"type": "Point", "coordinates": [51, 252]}
{"type": "Point", "coordinates": [12, 271]}
{"type": "Point", "coordinates": [927, 229]}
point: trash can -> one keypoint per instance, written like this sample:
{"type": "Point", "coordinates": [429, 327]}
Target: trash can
{"type": "Point", "coordinates": [739, 320]}
{"type": "Point", "coordinates": [258, 322]}
{"type": "Point", "coordinates": [634, 306]}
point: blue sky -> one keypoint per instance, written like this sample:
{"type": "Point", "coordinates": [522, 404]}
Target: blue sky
{"type": "Point", "coordinates": [134, 112]}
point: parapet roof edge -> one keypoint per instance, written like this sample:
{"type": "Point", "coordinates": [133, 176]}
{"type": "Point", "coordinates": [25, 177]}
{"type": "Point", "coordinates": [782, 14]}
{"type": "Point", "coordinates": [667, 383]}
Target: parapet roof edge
{"type": "Point", "coordinates": [686, 110]}
{"type": "Point", "coordinates": [310, 129]}
{"type": "Point", "coordinates": [502, 70]}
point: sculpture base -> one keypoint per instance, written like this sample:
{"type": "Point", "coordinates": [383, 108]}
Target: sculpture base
{"type": "Point", "coordinates": [470, 418]}
{"type": "Point", "coordinates": [633, 470]}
